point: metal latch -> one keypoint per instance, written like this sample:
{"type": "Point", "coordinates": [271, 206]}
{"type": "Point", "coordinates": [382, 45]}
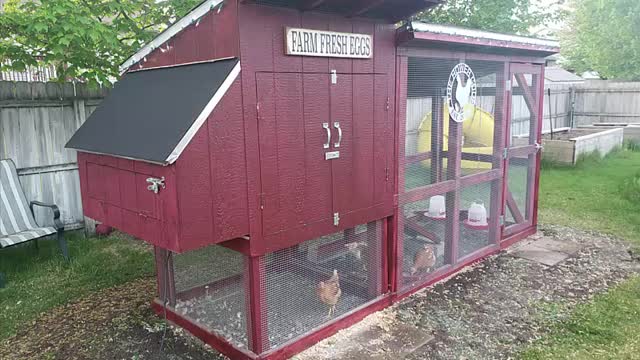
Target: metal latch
{"type": "Point", "coordinates": [505, 153]}
{"type": "Point", "coordinates": [336, 219]}
{"type": "Point", "coordinates": [538, 147]}
{"type": "Point", "coordinates": [155, 184]}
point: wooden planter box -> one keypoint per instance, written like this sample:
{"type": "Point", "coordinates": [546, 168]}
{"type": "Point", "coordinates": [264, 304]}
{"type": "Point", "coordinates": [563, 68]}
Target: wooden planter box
{"type": "Point", "coordinates": [574, 143]}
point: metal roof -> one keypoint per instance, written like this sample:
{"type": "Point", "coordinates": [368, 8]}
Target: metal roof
{"type": "Point", "coordinates": [464, 36]}
{"type": "Point", "coordinates": [559, 75]}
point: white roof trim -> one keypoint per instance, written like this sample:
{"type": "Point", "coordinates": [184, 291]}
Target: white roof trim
{"type": "Point", "coordinates": [479, 34]}
{"type": "Point", "coordinates": [188, 136]}
{"type": "Point", "coordinates": [170, 32]}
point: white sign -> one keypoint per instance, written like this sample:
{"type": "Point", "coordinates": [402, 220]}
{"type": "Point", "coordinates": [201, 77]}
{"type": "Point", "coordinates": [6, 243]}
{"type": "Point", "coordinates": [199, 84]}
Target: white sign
{"type": "Point", "coordinates": [305, 42]}
{"type": "Point", "coordinates": [463, 82]}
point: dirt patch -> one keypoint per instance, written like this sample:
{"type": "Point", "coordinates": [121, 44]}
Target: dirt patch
{"type": "Point", "coordinates": [113, 324]}
{"type": "Point", "coordinates": [574, 133]}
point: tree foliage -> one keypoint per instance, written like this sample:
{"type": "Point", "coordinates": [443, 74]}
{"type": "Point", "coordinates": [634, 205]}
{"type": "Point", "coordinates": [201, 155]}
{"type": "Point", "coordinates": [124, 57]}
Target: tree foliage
{"type": "Point", "coordinates": [506, 16]}
{"type": "Point", "coordinates": [85, 39]}
{"type": "Point", "coordinates": [604, 36]}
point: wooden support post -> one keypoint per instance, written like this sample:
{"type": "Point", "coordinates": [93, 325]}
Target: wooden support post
{"type": "Point", "coordinates": [165, 277]}
{"type": "Point", "coordinates": [437, 136]}
{"type": "Point", "coordinates": [452, 227]}
{"type": "Point", "coordinates": [374, 258]}
{"type": "Point", "coordinates": [256, 304]}
{"type": "Point", "coordinates": [533, 139]}
{"type": "Point", "coordinates": [500, 130]}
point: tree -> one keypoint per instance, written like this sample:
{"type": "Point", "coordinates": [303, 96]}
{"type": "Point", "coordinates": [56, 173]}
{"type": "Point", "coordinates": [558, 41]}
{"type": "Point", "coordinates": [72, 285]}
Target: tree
{"type": "Point", "coordinates": [604, 36]}
{"type": "Point", "coordinates": [506, 16]}
{"type": "Point", "coordinates": [83, 39]}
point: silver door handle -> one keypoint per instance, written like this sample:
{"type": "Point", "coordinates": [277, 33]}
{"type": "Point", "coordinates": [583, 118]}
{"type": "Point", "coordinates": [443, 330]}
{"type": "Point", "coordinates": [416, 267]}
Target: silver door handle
{"type": "Point", "coordinates": [538, 147]}
{"type": "Point", "coordinates": [326, 127]}
{"type": "Point", "coordinates": [337, 126]}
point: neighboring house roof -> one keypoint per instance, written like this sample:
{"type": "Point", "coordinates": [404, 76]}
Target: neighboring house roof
{"type": "Point", "coordinates": [465, 36]}
{"type": "Point", "coordinates": [162, 107]}
{"type": "Point", "coordinates": [559, 75]}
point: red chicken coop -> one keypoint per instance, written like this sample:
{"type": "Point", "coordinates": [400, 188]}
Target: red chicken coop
{"type": "Point", "coordinates": [299, 165]}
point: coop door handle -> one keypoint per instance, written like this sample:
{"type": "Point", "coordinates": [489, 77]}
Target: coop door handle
{"type": "Point", "coordinates": [326, 127]}
{"type": "Point", "coordinates": [337, 126]}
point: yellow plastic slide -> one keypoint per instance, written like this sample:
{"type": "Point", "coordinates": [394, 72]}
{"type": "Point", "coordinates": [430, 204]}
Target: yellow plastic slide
{"type": "Point", "coordinates": [477, 130]}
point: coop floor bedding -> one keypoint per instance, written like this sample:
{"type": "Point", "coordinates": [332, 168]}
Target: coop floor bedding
{"type": "Point", "coordinates": [292, 306]}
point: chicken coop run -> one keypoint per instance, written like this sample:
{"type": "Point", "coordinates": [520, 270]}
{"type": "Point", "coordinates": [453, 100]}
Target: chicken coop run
{"type": "Point", "coordinates": [299, 165]}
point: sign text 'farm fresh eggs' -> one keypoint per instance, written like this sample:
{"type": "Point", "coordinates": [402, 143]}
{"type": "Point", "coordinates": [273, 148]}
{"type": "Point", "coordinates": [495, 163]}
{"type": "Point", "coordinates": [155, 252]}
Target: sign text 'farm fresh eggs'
{"type": "Point", "coordinates": [305, 42]}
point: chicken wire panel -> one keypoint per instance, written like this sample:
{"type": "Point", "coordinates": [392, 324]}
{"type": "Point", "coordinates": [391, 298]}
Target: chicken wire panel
{"type": "Point", "coordinates": [475, 215]}
{"type": "Point", "coordinates": [518, 197]}
{"type": "Point", "coordinates": [523, 96]}
{"type": "Point", "coordinates": [310, 284]}
{"type": "Point", "coordinates": [210, 291]}
{"type": "Point", "coordinates": [423, 240]}
{"type": "Point", "coordinates": [448, 87]}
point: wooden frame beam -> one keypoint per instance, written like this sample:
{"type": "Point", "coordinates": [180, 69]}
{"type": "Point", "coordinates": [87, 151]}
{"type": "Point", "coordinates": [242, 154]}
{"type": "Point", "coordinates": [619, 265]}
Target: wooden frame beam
{"type": "Point", "coordinates": [529, 97]}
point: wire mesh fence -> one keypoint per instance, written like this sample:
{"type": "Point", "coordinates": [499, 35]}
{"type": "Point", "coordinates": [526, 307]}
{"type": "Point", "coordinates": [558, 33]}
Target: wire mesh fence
{"type": "Point", "coordinates": [210, 291]}
{"type": "Point", "coordinates": [317, 281]}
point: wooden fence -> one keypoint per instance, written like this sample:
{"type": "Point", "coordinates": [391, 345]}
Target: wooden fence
{"type": "Point", "coordinates": [36, 120]}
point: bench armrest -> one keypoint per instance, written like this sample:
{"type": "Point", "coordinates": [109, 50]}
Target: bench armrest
{"type": "Point", "coordinates": [56, 213]}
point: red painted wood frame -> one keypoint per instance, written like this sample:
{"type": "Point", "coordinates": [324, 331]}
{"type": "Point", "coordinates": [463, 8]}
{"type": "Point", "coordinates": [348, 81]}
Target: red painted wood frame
{"type": "Point", "coordinates": [532, 91]}
{"type": "Point", "coordinates": [497, 175]}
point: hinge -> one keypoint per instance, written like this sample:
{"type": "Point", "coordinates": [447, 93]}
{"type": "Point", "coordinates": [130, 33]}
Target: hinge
{"type": "Point", "coordinates": [388, 104]}
{"type": "Point", "coordinates": [386, 174]}
{"type": "Point", "coordinates": [507, 85]}
{"type": "Point", "coordinates": [261, 196]}
{"type": "Point", "coordinates": [334, 77]}
{"type": "Point", "coordinates": [258, 110]}
{"type": "Point", "coordinates": [501, 220]}
{"type": "Point", "coordinates": [505, 153]}
{"type": "Point", "coordinates": [336, 219]}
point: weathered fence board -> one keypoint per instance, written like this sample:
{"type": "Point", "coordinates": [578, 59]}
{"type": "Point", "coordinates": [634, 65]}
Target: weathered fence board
{"type": "Point", "coordinates": [36, 120]}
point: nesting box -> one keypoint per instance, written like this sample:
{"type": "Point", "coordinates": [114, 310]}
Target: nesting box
{"type": "Point", "coordinates": [284, 158]}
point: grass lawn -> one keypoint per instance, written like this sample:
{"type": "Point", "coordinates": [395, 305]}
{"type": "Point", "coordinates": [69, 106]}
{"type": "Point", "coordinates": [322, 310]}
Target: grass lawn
{"type": "Point", "coordinates": [40, 280]}
{"type": "Point", "coordinates": [602, 195]}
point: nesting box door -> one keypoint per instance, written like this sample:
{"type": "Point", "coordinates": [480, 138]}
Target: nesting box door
{"type": "Point", "coordinates": [325, 149]}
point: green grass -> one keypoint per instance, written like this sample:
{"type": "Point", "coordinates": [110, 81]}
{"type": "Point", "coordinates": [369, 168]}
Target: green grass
{"type": "Point", "coordinates": [607, 328]}
{"type": "Point", "coordinates": [40, 280]}
{"type": "Point", "coordinates": [600, 194]}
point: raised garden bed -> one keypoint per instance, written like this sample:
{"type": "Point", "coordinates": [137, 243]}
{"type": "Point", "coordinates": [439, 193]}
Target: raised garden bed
{"type": "Point", "coordinates": [567, 145]}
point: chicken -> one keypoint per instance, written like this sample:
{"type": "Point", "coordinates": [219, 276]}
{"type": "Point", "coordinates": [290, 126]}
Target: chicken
{"type": "Point", "coordinates": [329, 292]}
{"type": "Point", "coordinates": [355, 250]}
{"type": "Point", "coordinates": [424, 259]}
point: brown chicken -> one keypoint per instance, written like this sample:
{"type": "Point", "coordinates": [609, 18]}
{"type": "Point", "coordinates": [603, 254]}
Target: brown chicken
{"type": "Point", "coordinates": [329, 292]}
{"type": "Point", "coordinates": [424, 259]}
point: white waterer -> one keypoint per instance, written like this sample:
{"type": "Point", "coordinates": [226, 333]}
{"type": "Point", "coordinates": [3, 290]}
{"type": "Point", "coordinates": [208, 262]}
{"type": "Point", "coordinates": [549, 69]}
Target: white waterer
{"type": "Point", "coordinates": [477, 215]}
{"type": "Point", "coordinates": [437, 208]}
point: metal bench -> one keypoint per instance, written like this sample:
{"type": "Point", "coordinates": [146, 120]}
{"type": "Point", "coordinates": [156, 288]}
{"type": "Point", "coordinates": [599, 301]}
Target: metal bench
{"type": "Point", "coordinates": [17, 219]}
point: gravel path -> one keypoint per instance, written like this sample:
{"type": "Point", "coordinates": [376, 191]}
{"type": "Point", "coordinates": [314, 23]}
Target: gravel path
{"type": "Point", "coordinates": [505, 302]}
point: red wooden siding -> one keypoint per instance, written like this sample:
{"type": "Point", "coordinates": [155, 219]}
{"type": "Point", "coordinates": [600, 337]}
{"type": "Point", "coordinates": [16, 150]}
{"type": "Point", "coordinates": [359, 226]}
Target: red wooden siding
{"type": "Point", "coordinates": [293, 191]}
{"type": "Point", "coordinates": [215, 36]}
{"type": "Point", "coordinates": [115, 193]}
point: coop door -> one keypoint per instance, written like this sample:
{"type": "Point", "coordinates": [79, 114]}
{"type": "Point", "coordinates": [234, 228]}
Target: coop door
{"type": "Point", "coordinates": [522, 148]}
{"type": "Point", "coordinates": [324, 151]}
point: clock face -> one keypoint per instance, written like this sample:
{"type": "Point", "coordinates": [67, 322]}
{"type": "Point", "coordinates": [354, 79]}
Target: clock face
{"type": "Point", "coordinates": [461, 91]}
